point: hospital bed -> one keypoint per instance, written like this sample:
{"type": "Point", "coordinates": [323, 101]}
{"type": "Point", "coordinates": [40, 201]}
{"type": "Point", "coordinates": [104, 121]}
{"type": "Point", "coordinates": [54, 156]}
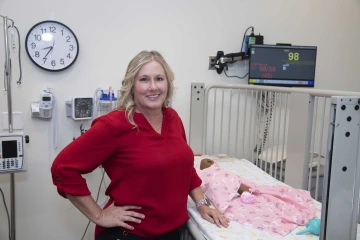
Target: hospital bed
{"type": "Point", "coordinates": [270, 136]}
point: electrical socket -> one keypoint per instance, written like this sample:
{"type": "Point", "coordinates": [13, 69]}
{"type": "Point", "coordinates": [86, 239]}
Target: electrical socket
{"type": "Point", "coordinates": [212, 62]}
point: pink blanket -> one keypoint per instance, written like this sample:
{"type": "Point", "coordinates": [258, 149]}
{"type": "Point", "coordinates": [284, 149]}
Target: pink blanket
{"type": "Point", "coordinates": [277, 209]}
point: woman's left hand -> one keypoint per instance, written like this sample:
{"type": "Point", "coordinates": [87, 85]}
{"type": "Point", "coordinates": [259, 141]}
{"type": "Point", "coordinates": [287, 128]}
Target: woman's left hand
{"type": "Point", "coordinates": [213, 215]}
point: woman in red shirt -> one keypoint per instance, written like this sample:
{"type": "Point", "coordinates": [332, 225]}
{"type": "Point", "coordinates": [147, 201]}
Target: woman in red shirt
{"type": "Point", "coordinates": [142, 147]}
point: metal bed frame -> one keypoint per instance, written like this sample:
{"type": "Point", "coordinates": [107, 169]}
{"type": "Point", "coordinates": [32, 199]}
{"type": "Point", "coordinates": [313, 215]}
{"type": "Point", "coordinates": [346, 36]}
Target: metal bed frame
{"type": "Point", "coordinates": [287, 132]}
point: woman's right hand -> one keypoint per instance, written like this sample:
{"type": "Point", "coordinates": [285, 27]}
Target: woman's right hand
{"type": "Point", "coordinates": [117, 216]}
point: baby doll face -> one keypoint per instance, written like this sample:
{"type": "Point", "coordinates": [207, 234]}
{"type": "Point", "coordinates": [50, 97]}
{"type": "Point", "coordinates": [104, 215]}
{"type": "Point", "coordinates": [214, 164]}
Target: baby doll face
{"type": "Point", "coordinates": [205, 163]}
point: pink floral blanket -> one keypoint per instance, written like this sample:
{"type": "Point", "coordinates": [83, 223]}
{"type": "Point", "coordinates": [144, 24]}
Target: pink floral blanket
{"type": "Point", "coordinates": [277, 209]}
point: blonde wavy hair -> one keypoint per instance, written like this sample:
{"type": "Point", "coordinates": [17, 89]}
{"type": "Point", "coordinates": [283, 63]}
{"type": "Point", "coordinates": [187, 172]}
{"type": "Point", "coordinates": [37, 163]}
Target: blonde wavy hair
{"type": "Point", "coordinates": [126, 100]}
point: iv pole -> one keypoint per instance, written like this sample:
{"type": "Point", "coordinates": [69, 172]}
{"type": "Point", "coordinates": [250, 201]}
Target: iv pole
{"type": "Point", "coordinates": [7, 85]}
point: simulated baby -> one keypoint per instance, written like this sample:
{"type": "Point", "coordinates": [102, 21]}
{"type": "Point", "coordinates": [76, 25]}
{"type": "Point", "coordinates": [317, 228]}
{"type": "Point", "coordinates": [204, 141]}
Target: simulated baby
{"type": "Point", "coordinates": [277, 209]}
{"type": "Point", "coordinates": [243, 190]}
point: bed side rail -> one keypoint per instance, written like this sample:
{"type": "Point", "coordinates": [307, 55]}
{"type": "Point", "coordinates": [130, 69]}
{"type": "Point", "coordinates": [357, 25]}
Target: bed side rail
{"type": "Point", "coordinates": [275, 128]}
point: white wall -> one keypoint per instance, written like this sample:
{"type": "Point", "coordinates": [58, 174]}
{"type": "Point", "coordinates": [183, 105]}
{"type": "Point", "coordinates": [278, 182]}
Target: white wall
{"type": "Point", "coordinates": [110, 33]}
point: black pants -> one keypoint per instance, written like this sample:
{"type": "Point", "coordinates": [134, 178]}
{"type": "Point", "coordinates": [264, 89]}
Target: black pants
{"type": "Point", "coordinates": [119, 234]}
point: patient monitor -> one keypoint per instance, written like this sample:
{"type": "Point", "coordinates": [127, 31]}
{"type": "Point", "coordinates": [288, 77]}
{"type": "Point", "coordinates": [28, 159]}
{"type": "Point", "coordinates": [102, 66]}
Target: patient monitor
{"type": "Point", "coordinates": [11, 152]}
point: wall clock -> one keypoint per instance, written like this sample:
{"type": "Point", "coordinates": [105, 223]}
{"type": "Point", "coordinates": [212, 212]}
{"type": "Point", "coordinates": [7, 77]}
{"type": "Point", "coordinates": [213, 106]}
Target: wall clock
{"type": "Point", "coordinates": [52, 45]}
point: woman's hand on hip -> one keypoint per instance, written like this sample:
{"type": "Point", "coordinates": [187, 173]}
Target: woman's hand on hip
{"type": "Point", "coordinates": [213, 215]}
{"type": "Point", "coordinates": [117, 216]}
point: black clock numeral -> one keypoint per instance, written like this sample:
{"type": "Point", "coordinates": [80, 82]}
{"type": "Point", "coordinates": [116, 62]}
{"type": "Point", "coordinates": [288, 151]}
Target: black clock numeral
{"type": "Point", "coordinates": [37, 37]}
{"type": "Point", "coordinates": [53, 63]}
{"type": "Point", "coordinates": [43, 30]}
{"type": "Point", "coordinates": [44, 59]}
{"type": "Point", "coordinates": [69, 56]}
{"type": "Point", "coordinates": [62, 62]}
{"type": "Point", "coordinates": [62, 32]}
{"type": "Point", "coordinates": [33, 45]}
{"type": "Point", "coordinates": [71, 47]}
{"type": "Point", "coordinates": [68, 39]}
{"type": "Point", "coordinates": [52, 29]}
{"type": "Point", "coordinates": [37, 54]}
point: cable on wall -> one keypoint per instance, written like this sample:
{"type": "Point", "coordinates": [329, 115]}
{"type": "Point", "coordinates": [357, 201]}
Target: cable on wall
{"type": "Point", "coordinates": [13, 45]}
{"type": "Point", "coordinates": [234, 75]}
{"type": "Point", "coordinates": [7, 211]}
{"type": "Point", "coordinates": [268, 110]}
{"type": "Point", "coordinates": [252, 32]}
{"type": "Point", "coordinates": [268, 118]}
{"type": "Point", "coordinates": [241, 49]}
{"type": "Point", "coordinates": [97, 199]}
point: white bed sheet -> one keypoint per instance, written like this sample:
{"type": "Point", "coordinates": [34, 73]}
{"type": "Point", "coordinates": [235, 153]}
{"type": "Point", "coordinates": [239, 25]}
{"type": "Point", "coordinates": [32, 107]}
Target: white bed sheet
{"type": "Point", "coordinates": [236, 230]}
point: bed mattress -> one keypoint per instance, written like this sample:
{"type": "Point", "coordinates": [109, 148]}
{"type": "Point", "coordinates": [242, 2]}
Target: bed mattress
{"type": "Point", "coordinates": [235, 230]}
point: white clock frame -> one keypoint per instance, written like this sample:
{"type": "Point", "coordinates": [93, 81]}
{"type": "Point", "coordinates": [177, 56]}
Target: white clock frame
{"type": "Point", "coordinates": [52, 45]}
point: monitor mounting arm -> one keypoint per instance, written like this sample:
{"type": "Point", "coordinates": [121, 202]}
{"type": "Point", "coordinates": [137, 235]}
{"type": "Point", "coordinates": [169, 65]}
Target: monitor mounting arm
{"type": "Point", "coordinates": [222, 59]}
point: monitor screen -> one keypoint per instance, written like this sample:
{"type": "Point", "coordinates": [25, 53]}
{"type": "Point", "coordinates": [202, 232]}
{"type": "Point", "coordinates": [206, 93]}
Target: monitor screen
{"type": "Point", "coordinates": [46, 99]}
{"type": "Point", "coordinates": [277, 65]}
{"type": "Point", "coordinates": [9, 149]}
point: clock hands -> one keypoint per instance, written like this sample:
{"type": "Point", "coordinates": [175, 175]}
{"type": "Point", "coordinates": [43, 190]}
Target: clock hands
{"type": "Point", "coordinates": [46, 48]}
{"type": "Point", "coordinates": [51, 48]}
{"type": "Point", "coordinates": [44, 58]}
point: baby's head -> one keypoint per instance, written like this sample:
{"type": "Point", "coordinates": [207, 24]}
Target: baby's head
{"type": "Point", "coordinates": [205, 163]}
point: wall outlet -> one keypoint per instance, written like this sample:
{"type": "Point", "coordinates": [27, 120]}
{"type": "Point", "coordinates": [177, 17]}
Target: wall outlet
{"type": "Point", "coordinates": [212, 62]}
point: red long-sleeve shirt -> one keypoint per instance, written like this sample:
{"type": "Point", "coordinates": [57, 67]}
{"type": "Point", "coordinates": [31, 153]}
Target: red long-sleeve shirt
{"type": "Point", "coordinates": [145, 168]}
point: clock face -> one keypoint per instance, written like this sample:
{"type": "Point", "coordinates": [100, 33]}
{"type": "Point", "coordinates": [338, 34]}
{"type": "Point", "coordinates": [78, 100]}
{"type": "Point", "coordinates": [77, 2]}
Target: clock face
{"type": "Point", "coordinates": [52, 46]}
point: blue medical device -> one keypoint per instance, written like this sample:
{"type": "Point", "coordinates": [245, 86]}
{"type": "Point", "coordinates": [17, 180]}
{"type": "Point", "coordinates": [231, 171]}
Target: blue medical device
{"type": "Point", "coordinates": [312, 227]}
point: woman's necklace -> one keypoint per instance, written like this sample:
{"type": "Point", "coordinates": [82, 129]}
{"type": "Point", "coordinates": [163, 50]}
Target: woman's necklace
{"type": "Point", "coordinates": [157, 128]}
